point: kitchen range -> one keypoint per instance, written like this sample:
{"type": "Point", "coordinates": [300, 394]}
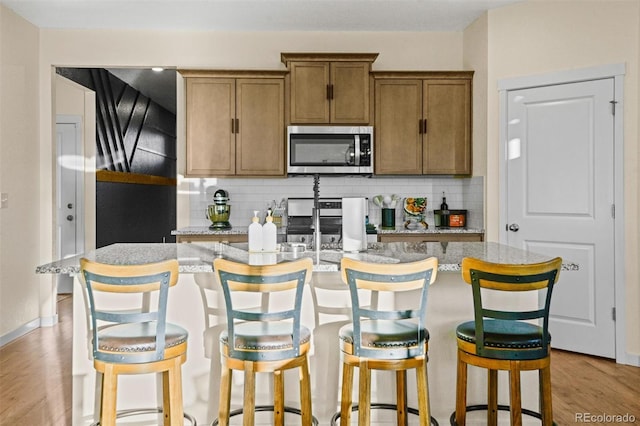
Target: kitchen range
{"type": "Point", "coordinates": [301, 227]}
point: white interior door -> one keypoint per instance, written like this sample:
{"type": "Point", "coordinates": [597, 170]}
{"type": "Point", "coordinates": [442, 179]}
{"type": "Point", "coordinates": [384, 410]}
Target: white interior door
{"type": "Point", "coordinates": [560, 201]}
{"type": "Point", "coordinates": [69, 195]}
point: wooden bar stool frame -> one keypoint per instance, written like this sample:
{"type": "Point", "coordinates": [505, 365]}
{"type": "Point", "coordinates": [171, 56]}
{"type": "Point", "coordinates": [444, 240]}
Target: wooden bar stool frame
{"type": "Point", "coordinates": [399, 356]}
{"type": "Point", "coordinates": [136, 341]}
{"type": "Point", "coordinates": [504, 340]}
{"type": "Point", "coordinates": [238, 351]}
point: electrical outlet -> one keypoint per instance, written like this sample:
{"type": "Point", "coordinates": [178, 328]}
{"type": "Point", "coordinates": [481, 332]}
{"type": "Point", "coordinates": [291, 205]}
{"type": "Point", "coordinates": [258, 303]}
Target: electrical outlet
{"type": "Point", "coordinates": [4, 200]}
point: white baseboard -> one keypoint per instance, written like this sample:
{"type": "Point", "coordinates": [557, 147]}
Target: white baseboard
{"type": "Point", "coordinates": [632, 359]}
{"type": "Point", "coordinates": [30, 326]}
{"type": "Point", "coordinates": [48, 321]}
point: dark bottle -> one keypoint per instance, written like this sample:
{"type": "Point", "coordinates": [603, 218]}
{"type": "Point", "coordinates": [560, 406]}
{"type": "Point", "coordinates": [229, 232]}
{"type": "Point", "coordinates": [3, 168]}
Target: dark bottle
{"type": "Point", "coordinates": [444, 211]}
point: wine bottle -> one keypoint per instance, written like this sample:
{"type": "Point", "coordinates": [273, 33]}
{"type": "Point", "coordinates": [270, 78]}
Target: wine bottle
{"type": "Point", "coordinates": [444, 211]}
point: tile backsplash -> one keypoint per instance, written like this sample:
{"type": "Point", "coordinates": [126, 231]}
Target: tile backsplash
{"type": "Point", "coordinates": [247, 195]}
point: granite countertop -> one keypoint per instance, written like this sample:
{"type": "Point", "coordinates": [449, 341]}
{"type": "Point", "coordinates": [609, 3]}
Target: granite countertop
{"type": "Point", "coordinates": [242, 230]}
{"type": "Point", "coordinates": [198, 257]}
{"type": "Point", "coordinates": [431, 230]}
{"type": "Point", "coordinates": [205, 230]}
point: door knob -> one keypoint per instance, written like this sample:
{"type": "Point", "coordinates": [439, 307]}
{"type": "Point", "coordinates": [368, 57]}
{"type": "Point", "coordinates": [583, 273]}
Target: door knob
{"type": "Point", "coordinates": [70, 218]}
{"type": "Point", "coordinates": [513, 227]}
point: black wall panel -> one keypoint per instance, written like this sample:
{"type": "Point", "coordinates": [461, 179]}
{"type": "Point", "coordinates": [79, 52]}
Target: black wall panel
{"type": "Point", "coordinates": [132, 213]}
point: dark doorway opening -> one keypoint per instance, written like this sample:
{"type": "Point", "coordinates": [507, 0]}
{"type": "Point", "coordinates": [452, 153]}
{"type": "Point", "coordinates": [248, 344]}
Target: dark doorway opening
{"type": "Point", "coordinates": [135, 154]}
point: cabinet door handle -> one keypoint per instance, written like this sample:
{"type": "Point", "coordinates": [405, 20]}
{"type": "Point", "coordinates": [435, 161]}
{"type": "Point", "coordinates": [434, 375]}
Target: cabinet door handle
{"type": "Point", "coordinates": [420, 126]}
{"type": "Point", "coordinates": [331, 91]}
{"type": "Point", "coordinates": [328, 91]}
{"type": "Point", "coordinates": [425, 126]}
{"type": "Point", "coordinates": [235, 125]}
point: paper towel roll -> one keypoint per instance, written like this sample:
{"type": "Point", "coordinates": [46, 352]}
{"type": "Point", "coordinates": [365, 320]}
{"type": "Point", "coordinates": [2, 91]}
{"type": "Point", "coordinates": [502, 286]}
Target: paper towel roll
{"type": "Point", "coordinates": [354, 232]}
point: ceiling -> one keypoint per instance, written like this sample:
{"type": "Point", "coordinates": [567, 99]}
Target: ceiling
{"type": "Point", "coordinates": [159, 86]}
{"type": "Point", "coordinates": [245, 15]}
{"type": "Point", "coordinates": [255, 15]}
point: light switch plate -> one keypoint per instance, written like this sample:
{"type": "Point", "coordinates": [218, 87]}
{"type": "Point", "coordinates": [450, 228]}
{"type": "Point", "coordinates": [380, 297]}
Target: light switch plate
{"type": "Point", "coordinates": [4, 200]}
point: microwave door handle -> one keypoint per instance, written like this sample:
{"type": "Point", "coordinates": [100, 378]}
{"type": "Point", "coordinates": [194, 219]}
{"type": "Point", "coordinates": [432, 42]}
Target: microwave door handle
{"type": "Point", "coordinates": [349, 156]}
{"type": "Point", "coordinates": [357, 148]}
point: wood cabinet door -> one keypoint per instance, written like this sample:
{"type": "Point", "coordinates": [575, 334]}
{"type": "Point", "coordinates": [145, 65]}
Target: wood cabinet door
{"type": "Point", "coordinates": [349, 92]}
{"type": "Point", "coordinates": [210, 140]}
{"type": "Point", "coordinates": [260, 139]}
{"type": "Point", "coordinates": [447, 141]}
{"type": "Point", "coordinates": [309, 86]}
{"type": "Point", "coordinates": [397, 138]}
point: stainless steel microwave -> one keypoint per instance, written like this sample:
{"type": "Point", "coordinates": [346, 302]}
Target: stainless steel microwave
{"type": "Point", "coordinates": [330, 150]}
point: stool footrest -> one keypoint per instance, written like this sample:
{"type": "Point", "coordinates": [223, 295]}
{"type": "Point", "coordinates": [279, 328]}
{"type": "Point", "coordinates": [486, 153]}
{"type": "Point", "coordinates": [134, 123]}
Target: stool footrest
{"type": "Point", "coordinates": [501, 407]}
{"type": "Point", "coordinates": [382, 406]}
{"type": "Point", "coordinates": [120, 414]}
{"type": "Point", "coordinates": [261, 408]}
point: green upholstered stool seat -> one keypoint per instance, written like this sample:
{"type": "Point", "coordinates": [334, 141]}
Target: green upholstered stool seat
{"type": "Point", "coordinates": [504, 334]}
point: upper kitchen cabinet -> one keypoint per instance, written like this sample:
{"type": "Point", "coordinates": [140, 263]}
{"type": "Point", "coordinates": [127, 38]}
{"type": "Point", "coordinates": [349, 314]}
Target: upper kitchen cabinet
{"type": "Point", "coordinates": [329, 88]}
{"type": "Point", "coordinates": [423, 122]}
{"type": "Point", "coordinates": [235, 123]}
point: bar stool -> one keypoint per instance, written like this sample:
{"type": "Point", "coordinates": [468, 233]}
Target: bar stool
{"type": "Point", "coordinates": [258, 341]}
{"type": "Point", "coordinates": [215, 322]}
{"type": "Point", "coordinates": [332, 311]}
{"type": "Point", "coordinates": [395, 340]}
{"type": "Point", "coordinates": [506, 340]}
{"type": "Point", "coordinates": [135, 341]}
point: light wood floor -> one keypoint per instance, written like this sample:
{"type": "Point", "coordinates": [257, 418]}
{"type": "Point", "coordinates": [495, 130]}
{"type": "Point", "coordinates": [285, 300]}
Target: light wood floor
{"type": "Point", "coordinates": [35, 374]}
{"type": "Point", "coordinates": [35, 380]}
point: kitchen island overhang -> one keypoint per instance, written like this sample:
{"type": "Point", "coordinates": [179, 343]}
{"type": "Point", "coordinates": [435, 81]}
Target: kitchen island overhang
{"type": "Point", "coordinates": [198, 257]}
{"type": "Point", "coordinates": [450, 303]}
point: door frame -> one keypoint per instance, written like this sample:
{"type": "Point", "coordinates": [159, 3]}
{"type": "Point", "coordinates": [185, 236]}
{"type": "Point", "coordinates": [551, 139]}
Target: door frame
{"type": "Point", "coordinates": [617, 72]}
{"type": "Point", "coordinates": [79, 178]}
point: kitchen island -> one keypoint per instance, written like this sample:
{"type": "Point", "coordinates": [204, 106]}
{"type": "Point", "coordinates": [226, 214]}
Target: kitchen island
{"type": "Point", "coordinates": [450, 302]}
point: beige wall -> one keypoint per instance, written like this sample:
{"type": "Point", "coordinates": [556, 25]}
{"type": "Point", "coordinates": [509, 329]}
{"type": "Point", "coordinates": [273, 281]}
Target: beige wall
{"type": "Point", "coordinates": [542, 36]}
{"type": "Point", "coordinates": [229, 50]}
{"type": "Point", "coordinates": [19, 173]}
{"type": "Point", "coordinates": [475, 52]}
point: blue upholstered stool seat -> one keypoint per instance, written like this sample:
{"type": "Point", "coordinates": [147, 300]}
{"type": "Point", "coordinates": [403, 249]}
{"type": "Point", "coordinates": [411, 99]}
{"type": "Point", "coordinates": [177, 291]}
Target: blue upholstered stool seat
{"type": "Point", "coordinates": [384, 334]}
{"type": "Point", "coordinates": [254, 336]}
{"type": "Point", "coordinates": [503, 334]}
{"type": "Point", "coordinates": [138, 337]}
